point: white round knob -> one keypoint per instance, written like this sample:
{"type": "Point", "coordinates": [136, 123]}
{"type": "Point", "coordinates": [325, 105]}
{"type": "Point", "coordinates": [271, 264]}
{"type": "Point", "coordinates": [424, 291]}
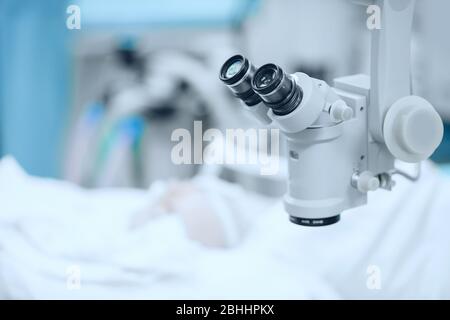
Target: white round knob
{"type": "Point", "coordinates": [367, 182]}
{"type": "Point", "coordinates": [412, 129]}
{"type": "Point", "coordinates": [339, 111]}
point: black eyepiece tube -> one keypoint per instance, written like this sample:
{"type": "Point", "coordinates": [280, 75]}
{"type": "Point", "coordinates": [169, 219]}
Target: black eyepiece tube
{"type": "Point", "coordinates": [277, 89]}
{"type": "Point", "coordinates": [237, 73]}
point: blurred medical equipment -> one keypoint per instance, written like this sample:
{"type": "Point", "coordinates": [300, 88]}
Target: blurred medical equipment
{"type": "Point", "coordinates": [121, 140]}
{"type": "Point", "coordinates": [83, 140]}
{"type": "Point", "coordinates": [343, 141]}
{"type": "Point", "coordinates": [168, 99]}
{"type": "Point", "coordinates": [155, 79]}
{"type": "Point", "coordinates": [102, 153]}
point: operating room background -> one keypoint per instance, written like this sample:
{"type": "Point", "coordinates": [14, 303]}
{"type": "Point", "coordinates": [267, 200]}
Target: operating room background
{"type": "Point", "coordinates": [96, 106]}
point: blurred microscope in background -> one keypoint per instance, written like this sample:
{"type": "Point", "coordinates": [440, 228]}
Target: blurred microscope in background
{"type": "Point", "coordinates": [133, 88]}
{"type": "Point", "coordinates": [123, 138]}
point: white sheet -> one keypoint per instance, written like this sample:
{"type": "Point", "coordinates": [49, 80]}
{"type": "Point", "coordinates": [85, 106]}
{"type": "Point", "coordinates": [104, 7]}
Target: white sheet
{"type": "Point", "coordinates": [48, 226]}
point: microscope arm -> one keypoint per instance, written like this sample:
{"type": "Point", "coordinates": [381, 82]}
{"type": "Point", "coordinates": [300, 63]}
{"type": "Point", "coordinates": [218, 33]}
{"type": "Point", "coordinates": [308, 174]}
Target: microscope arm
{"type": "Point", "coordinates": [390, 60]}
{"type": "Point", "coordinates": [401, 126]}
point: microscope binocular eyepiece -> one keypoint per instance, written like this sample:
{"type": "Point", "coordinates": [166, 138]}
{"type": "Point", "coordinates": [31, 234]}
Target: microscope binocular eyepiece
{"type": "Point", "coordinates": [277, 89]}
{"type": "Point", "coordinates": [237, 73]}
{"type": "Point", "coordinates": [268, 84]}
{"type": "Point", "coordinates": [312, 118]}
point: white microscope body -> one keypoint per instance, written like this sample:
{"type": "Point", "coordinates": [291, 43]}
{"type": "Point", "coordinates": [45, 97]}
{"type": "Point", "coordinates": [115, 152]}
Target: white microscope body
{"type": "Point", "coordinates": [343, 141]}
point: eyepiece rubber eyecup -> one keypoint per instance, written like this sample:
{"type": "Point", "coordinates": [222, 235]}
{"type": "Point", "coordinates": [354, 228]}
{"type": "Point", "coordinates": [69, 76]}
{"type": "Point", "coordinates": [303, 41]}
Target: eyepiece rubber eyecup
{"type": "Point", "coordinates": [276, 79]}
{"type": "Point", "coordinates": [245, 65]}
{"type": "Point", "coordinates": [278, 90]}
{"type": "Point", "coordinates": [239, 80]}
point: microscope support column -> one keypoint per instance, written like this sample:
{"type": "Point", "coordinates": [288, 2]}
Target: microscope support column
{"type": "Point", "coordinates": [390, 61]}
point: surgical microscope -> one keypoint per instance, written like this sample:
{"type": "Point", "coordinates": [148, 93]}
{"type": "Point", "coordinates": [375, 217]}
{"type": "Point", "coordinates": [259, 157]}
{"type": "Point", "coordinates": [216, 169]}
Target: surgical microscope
{"type": "Point", "coordinates": [343, 141]}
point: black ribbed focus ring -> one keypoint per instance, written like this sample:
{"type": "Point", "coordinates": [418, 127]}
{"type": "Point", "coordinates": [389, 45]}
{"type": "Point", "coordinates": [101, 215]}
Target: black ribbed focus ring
{"type": "Point", "coordinates": [278, 90]}
{"type": "Point", "coordinates": [315, 222]}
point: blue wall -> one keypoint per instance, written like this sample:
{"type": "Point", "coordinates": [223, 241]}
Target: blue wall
{"type": "Point", "coordinates": [34, 80]}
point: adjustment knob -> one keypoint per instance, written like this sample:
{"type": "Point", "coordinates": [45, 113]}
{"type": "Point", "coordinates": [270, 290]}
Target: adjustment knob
{"type": "Point", "coordinates": [412, 129]}
{"type": "Point", "coordinates": [339, 111]}
{"type": "Point", "coordinates": [366, 182]}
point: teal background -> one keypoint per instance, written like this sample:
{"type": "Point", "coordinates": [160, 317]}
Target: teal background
{"type": "Point", "coordinates": [34, 81]}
